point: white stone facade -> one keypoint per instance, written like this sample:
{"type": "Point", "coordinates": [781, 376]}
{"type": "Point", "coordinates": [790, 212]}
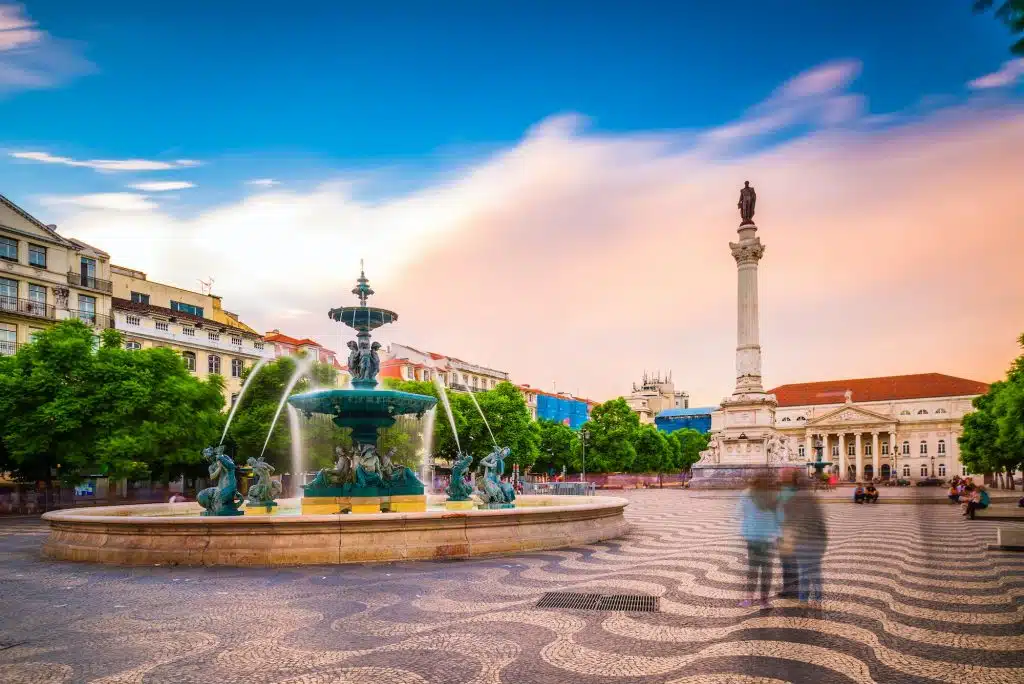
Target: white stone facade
{"type": "Point", "coordinates": [858, 437]}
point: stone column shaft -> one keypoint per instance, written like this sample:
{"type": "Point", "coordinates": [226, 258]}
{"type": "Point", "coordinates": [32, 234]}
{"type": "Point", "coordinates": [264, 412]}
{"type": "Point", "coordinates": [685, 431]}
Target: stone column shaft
{"type": "Point", "coordinates": [876, 458]}
{"type": "Point", "coordinates": [747, 252]}
{"type": "Point", "coordinates": [842, 455]}
{"type": "Point", "coordinates": [860, 456]}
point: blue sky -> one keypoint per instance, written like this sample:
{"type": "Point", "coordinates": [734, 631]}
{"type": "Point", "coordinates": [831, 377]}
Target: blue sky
{"type": "Point", "coordinates": [301, 88]}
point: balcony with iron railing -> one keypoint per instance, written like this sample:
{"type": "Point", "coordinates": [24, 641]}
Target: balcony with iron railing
{"type": "Point", "coordinates": [90, 282]}
{"type": "Point", "coordinates": [9, 348]}
{"type": "Point", "coordinates": [27, 307]}
{"type": "Point", "coordinates": [92, 318]}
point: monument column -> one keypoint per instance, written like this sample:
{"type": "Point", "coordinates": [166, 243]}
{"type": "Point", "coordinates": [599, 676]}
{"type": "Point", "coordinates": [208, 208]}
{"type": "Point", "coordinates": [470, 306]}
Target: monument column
{"type": "Point", "coordinates": [808, 446]}
{"type": "Point", "coordinates": [747, 253]}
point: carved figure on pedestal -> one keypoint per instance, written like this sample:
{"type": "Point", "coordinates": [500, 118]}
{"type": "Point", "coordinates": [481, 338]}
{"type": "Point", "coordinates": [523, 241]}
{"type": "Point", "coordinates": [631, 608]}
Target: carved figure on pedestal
{"type": "Point", "coordinates": [265, 490]}
{"type": "Point", "coordinates": [353, 360]}
{"type": "Point", "coordinates": [458, 489]}
{"type": "Point", "coordinates": [223, 498]}
{"type": "Point", "coordinates": [368, 467]}
{"type": "Point", "coordinates": [748, 198]}
{"type": "Point", "coordinates": [396, 474]}
{"type": "Point", "coordinates": [60, 295]}
{"type": "Point", "coordinates": [710, 456]}
{"type": "Point", "coordinates": [492, 490]}
{"type": "Point", "coordinates": [341, 474]}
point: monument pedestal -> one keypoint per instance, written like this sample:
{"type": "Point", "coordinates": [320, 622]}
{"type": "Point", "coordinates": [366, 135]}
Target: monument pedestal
{"type": "Point", "coordinates": [467, 505]}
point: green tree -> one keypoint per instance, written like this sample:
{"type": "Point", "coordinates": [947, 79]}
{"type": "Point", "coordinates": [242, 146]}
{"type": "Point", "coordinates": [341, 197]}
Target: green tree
{"type": "Point", "coordinates": [1009, 12]}
{"type": "Point", "coordinates": [557, 448]}
{"type": "Point", "coordinates": [255, 414]}
{"type": "Point", "coordinates": [653, 454]}
{"type": "Point", "coordinates": [443, 442]}
{"type": "Point", "coordinates": [992, 441]}
{"type": "Point", "coordinates": [612, 427]}
{"type": "Point", "coordinates": [690, 443]}
{"type": "Point", "coordinates": [72, 409]}
{"type": "Point", "coordinates": [509, 420]}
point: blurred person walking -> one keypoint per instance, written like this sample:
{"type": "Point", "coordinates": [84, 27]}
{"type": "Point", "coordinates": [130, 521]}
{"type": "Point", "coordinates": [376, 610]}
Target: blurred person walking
{"type": "Point", "coordinates": [760, 526]}
{"type": "Point", "coordinates": [804, 539]}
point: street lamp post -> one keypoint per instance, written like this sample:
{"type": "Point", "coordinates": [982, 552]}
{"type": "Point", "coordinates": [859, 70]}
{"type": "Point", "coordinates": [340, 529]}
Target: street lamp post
{"type": "Point", "coordinates": [584, 435]}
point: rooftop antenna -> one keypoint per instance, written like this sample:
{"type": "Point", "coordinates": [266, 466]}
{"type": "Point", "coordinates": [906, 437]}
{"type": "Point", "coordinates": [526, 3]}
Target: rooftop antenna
{"type": "Point", "coordinates": [206, 286]}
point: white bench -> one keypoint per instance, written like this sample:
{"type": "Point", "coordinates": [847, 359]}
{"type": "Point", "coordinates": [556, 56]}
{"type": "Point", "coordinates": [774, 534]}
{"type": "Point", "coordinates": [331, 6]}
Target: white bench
{"type": "Point", "coordinates": [1009, 540]}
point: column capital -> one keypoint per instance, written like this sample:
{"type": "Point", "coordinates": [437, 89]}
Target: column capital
{"type": "Point", "coordinates": [747, 251]}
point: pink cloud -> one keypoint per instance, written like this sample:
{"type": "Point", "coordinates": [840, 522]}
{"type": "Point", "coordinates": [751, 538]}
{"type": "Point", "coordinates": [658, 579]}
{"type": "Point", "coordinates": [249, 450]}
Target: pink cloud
{"type": "Point", "coordinates": [1006, 75]}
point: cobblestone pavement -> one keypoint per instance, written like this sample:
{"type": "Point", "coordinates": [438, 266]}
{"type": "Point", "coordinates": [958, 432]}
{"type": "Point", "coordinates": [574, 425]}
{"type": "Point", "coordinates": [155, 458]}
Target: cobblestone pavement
{"type": "Point", "coordinates": [912, 595]}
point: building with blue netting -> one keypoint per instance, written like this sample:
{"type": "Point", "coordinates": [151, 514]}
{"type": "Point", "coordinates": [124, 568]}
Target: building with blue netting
{"type": "Point", "coordinates": [673, 419]}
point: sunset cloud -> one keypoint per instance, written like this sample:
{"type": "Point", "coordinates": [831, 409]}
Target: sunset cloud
{"type": "Point", "coordinates": [31, 58]}
{"type": "Point", "coordinates": [582, 258]}
{"type": "Point", "coordinates": [1008, 74]}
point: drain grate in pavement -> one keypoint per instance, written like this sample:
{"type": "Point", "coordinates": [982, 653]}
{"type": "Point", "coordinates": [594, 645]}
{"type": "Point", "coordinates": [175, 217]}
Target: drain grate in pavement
{"type": "Point", "coordinates": [618, 602]}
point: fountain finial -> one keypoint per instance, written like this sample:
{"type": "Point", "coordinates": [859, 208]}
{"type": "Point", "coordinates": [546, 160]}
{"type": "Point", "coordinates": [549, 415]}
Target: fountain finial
{"type": "Point", "coordinates": [362, 288]}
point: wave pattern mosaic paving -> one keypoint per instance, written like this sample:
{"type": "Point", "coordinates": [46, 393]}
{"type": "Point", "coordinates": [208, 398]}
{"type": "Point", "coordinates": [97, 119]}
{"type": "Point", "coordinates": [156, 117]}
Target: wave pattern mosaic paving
{"type": "Point", "coordinates": [911, 595]}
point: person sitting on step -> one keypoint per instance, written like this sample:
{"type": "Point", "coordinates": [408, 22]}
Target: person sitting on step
{"type": "Point", "coordinates": [858, 493]}
{"type": "Point", "coordinates": [870, 494]}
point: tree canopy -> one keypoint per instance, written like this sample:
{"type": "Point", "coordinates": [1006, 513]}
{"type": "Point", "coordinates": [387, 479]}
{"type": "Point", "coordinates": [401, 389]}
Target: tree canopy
{"type": "Point", "coordinates": [507, 417]}
{"type": "Point", "coordinates": [1010, 13]}
{"type": "Point", "coordinates": [70, 408]}
{"type": "Point", "coordinates": [993, 434]}
{"type": "Point", "coordinates": [255, 413]}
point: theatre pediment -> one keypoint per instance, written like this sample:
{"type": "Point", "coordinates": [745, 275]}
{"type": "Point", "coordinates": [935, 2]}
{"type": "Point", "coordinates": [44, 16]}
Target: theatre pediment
{"type": "Point", "coordinates": [850, 415]}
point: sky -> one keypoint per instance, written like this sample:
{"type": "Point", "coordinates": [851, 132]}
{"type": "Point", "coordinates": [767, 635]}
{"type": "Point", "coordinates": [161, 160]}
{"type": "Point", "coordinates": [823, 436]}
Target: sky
{"type": "Point", "coordinates": [546, 188]}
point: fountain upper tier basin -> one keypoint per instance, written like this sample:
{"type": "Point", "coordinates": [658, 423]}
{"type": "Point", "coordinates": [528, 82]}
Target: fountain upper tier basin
{"type": "Point", "coordinates": [362, 403]}
{"type": "Point", "coordinates": [362, 318]}
{"type": "Point", "coordinates": [175, 533]}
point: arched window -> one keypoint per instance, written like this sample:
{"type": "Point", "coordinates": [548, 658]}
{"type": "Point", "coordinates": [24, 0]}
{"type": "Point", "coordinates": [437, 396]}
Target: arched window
{"type": "Point", "coordinates": [922, 412]}
{"type": "Point", "coordinates": [800, 418]}
{"type": "Point", "coordinates": [213, 363]}
{"type": "Point", "coordinates": [190, 360]}
{"type": "Point", "coordinates": [942, 446]}
{"type": "Point", "coordinates": [786, 419]}
{"type": "Point", "coordinates": [883, 448]}
{"type": "Point", "coordinates": [800, 451]}
{"type": "Point", "coordinates": [835, 450]}
{"type": "Point", "coordinates": [904, 412]}
{"type": "Point", "coordinates": [924, 470]}
{"type": "Point", "coordinates": [942, 470]}
{"type": "Point", "coordinates": [132, 345]}
{"type": "Point", "coordinates": [851, 449]}
{"type": "Point", "coordinates": [940, 410]}
{"type": "Point", "coordinates": [924, 447]}
{"type": "Point", "coordinates": [906, 448]}
{"type": "Point", "coordinates": [236, 368]}
{"type": "Point", "coordinates": [906, 471]}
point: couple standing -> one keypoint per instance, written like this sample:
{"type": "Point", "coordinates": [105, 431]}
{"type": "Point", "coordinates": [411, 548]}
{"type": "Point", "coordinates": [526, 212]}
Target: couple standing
{"type": "Point", "coordinates": [792, 520]}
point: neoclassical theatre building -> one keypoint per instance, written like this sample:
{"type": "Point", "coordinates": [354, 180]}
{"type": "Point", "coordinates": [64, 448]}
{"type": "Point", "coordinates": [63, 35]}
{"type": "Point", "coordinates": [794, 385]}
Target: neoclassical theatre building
{"type": "Point", "coordinates": [873, 427]}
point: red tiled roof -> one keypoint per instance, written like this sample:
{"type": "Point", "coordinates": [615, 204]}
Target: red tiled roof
{"type": "Point", "coordinates": [889, 388]}
{"type": "Point", "coordinates": [279, 337]}
{"type": "Point", "coordinates": [129, 305]}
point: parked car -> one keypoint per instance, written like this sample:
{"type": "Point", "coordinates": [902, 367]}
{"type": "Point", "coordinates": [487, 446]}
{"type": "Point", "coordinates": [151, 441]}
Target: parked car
{"type": "Point", "coordinates": [929, 482]}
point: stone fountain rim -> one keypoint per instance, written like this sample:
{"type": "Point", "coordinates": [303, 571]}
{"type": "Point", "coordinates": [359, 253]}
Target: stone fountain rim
{"type": "Point", "coordinates": [97, 515]}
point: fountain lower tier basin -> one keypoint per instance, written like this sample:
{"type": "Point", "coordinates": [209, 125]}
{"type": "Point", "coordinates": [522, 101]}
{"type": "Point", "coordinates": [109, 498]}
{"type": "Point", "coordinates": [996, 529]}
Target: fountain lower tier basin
{"type": "Point", "coordinates": [149, 534]}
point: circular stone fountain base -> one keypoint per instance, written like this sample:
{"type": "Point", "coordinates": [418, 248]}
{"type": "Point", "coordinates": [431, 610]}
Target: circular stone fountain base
{"type": "Point", "coordinates": [174, 534]}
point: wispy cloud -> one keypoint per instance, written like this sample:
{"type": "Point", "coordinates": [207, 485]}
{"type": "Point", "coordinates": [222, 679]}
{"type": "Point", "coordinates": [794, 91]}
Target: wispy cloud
{"type": "Point", "coordinates": [162, 186]}
{"type": "Point", "coordinates": [816, 96]}
{"type": "Point", "coordinates": [31, 58]}
{"type": "Point", "coordinates": [113, 165]}
{"type": "Point", "coordinates": [263, 182]}
{"type": "Point", "coordinates": [112, 201]}
{"type": "Point", "coordinates": [1008, 74]}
